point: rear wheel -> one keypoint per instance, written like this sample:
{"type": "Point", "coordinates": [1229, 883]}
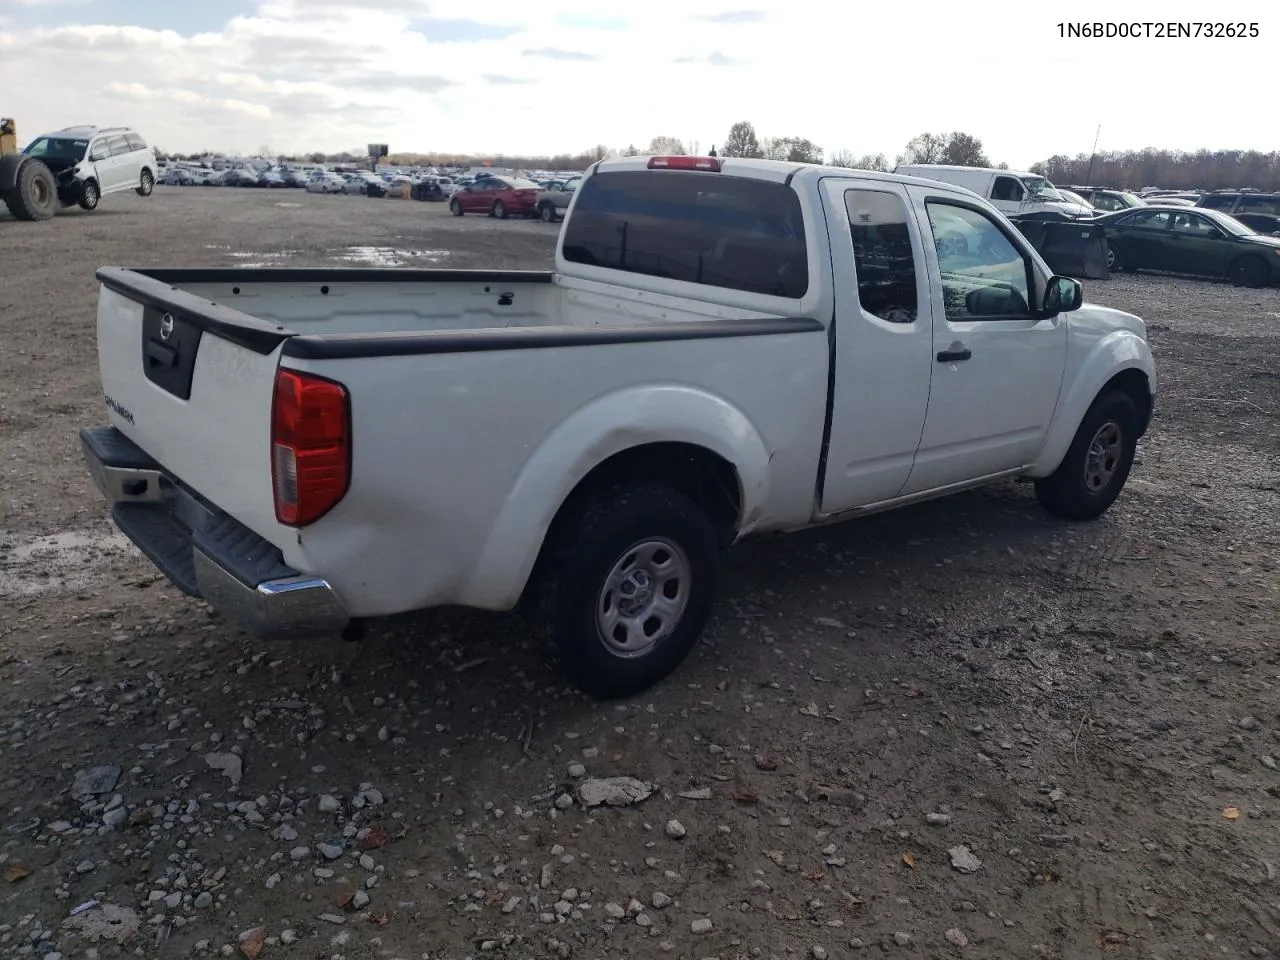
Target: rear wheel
{"type": "Point", "coordinates": [455, 208]}
{"type": "Point", "coordinates": [1249, 272]}
{"type": "Point", "coordinates": [499, 210]}
{"type": "Point", "coordinates": [629, 586]}
{"type": "Point", "coordinates": [89, 195]}
{"type": "Point", "coordinates": [1097, 463]}
{"type": "Point", "coordinates": [35, 195]}
{"type": "Point", "coordinates": [1114, 264]}
{"type": "Point", "coordinates": [146, 184]}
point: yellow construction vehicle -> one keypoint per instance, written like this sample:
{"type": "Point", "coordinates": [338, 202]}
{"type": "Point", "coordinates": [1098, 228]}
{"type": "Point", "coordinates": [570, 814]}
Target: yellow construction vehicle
{"type": "Point", "coordinates": [27, 186]}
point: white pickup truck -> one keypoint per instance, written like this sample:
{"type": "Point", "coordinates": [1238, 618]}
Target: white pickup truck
{"type": "Point", "coordinates": [726, 347]}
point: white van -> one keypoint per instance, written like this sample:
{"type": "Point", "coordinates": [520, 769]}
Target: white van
{"type": "Point", "coordinates": [1012, 192]}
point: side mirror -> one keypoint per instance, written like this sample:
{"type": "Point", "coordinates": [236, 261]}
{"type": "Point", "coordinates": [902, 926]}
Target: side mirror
{"type": "Point", "coordinates": [1062, 295]}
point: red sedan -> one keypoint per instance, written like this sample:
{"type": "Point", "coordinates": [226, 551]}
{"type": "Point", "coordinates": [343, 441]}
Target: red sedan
{"type": "Point", "coordinates": [499, 197]}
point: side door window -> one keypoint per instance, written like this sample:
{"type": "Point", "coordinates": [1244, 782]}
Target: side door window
{"type": "Point", "coordinates": [1157, 220]}
{"type": "Point", "coordinates": [984, 274]}
{"type": "Point", "coordinates": [1194, 225]}
{"type": "Point", "coordinates": [882, 254]}
{"type": "Point", "coordinates": [1218, 202]}
{"type": "Point", "coordinates": [118, 146]}
{"type": "Point", "coordinates": [99, 151]}
{"type": "Point", "coordinates": [1008, 188]}
{"type": "Point", "coordinates": [135, 142]}
{"type": "Point", "coordinates": [1260, 204]}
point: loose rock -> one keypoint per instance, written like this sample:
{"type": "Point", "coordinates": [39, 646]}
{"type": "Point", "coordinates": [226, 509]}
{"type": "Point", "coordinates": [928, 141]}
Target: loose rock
{"type": "Point", "coordinates": [228, 764]}
{"type": "Point", "coordinates": [963, 860]}
{"type": "Point", "coordinates": [613, 792]}
{"type": "Point", "coordinates": [701, 925]}
{"type": "Point", "coordinates": [93, 781]}
{"type": "Point", "coordinates": [676, 830]}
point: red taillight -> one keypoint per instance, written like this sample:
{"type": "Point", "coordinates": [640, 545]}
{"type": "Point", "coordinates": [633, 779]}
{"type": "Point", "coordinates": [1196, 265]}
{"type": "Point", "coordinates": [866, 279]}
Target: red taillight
{"type": "Point", "coordinates": [685, 163]}
{"type": "Point", "coordinates": [310, 446]}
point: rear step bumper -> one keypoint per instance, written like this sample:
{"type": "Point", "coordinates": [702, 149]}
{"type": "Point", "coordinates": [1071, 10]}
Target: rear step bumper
{"type": "Point", "coordinates": [203, 551]}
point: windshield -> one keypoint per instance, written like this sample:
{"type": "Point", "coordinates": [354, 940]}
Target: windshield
{"type": "Point", "coordinates": [1133, 200]}
{"type": "Point", "coordinates": [1042, 189]}
{"type": "Point", "coordinates": [58, 148]}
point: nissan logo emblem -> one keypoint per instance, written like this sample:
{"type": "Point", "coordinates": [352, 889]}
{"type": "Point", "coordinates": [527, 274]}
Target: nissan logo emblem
{"type": "Point", "coordinates": [166, 326]}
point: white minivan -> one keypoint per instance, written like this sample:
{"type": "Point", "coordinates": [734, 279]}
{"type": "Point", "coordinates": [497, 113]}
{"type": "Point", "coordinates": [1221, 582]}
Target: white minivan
{"type": "Point", "coordinates": [1013, 192]}
{"type": "Point", "coordinates": [90, 163]}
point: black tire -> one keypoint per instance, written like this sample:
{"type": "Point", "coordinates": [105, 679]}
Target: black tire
{"type": "Point", "coordinates": [595, 543]}
{"type": "Point", "coordinates": [35, 195]}
{"type": "Point", "coordinates": [456, 208]}
{"type": "Point", "coordinates": [146, 183]}
{"type": "Point", "coordinates": [89, 195]}
{"type": "Point", "coordinates": [1114, 263]}
{"type": "Point", "coordinates": [499, 210]}
{"type": "Point", "coordinates": [547, 212]}
{"type": "Point", "coordinates": [1249, 271]}
{"type": "Point", "coordinates": [1075, 491]}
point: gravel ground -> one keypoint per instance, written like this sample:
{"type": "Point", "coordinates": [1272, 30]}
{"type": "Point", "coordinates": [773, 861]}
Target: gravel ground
{"type": "Point", "coordinates": [960, 729]}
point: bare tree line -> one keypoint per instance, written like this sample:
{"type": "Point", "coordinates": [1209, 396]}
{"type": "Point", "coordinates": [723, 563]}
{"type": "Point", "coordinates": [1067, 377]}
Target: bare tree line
{"type": "Point", "coordinates": [1171, 169]}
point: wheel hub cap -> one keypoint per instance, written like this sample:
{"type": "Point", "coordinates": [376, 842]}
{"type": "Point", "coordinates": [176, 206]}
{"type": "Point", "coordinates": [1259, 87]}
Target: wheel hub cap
{"type": "Point", "coordinates": [1104, 456]}
{"type": "Point", "coordinates": [643, 597]}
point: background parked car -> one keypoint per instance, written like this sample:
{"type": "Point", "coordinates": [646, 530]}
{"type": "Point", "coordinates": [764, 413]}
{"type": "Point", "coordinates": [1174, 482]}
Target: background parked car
{"type": "Point", "coordinates": [1260, 211]}
{"type": "Point", "coordinates": [1108, 201]}
{"type": "Point", "coordinates": [553, 201]}
{"type": "Point", "coordinates": [326, 183]}
{"type": "Point", "coordinates": [499, 197]}
{"type": "Point", "coordinates": [1194, 241]}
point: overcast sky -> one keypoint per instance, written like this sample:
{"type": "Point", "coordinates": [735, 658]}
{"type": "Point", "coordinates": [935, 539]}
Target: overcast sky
{"type": "Point", "coordinates": [488, 76]}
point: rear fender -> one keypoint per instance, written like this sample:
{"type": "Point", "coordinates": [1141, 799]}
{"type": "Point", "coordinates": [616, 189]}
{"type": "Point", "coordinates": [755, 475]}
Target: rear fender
{"type": "Point", "coordinates": [1113, 354]}
{"type": "Point", "coordinates": [607, 426]}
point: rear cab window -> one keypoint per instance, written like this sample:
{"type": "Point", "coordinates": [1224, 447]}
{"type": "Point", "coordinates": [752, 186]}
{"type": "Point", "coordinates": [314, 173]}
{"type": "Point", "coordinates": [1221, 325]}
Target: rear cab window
{"type": "Point", "coordinates": [718, 230]}
{"type": "Point", "coordinates": [883, 257]}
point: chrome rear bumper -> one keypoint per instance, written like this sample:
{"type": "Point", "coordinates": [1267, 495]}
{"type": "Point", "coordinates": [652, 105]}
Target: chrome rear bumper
{"type": "Point", "coordinates": [203, 551]}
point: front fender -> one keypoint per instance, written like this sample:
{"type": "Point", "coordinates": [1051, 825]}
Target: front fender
{"type": "Point", "coordinates": [606, 426]}
{"type": "Point", "coordinates": [1110, 355]}
{"type": "Point", "coordinates": [9, 171]}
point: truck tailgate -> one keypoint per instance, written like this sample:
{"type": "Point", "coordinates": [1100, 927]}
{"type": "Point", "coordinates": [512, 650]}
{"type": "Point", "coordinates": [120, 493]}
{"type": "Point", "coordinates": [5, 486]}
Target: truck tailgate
{"type": "Point", "coordinates": [191, 383]}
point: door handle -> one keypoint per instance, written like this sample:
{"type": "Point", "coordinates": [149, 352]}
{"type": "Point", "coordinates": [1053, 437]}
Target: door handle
{"type": "Point", "coordinates": [956, 353]}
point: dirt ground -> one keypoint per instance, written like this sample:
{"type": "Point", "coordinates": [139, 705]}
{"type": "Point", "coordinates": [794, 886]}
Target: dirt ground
{"type": "Point", "coordinates": [963, 729]}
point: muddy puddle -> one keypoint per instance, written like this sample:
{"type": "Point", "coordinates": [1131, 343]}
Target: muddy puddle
{"type": "Point", "coordinates": [392, 256]}
{"type": "Point", "coordinates": [59, 561]}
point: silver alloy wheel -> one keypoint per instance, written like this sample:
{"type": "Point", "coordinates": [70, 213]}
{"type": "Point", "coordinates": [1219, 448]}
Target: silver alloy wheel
{"type": "Point", "coordinates": [1103, 458]}
{"type": "Point", "coordinates": [643, 597]}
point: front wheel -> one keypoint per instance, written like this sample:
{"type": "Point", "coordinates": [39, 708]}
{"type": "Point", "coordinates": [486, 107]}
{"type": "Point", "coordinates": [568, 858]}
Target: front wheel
{"type": "Point", "coordinates": [548, 213]}
{"type": "Point", "coordinates": [499, 209]}
{"type": "Point", "coordinates": [146, 184]}
{"type": "Point", "coordinates": [629, 587]}
{"type": "Point", "coordinates": [89, 195]}
{"type": "Point", "coordinates": [455, 208]}
{"type": "Point", "coordinates": [1097, 463]}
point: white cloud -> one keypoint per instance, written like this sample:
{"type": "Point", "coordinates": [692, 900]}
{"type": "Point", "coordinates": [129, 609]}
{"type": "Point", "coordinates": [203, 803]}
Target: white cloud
{"type": "Point", "coordinates": [335, 74]}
